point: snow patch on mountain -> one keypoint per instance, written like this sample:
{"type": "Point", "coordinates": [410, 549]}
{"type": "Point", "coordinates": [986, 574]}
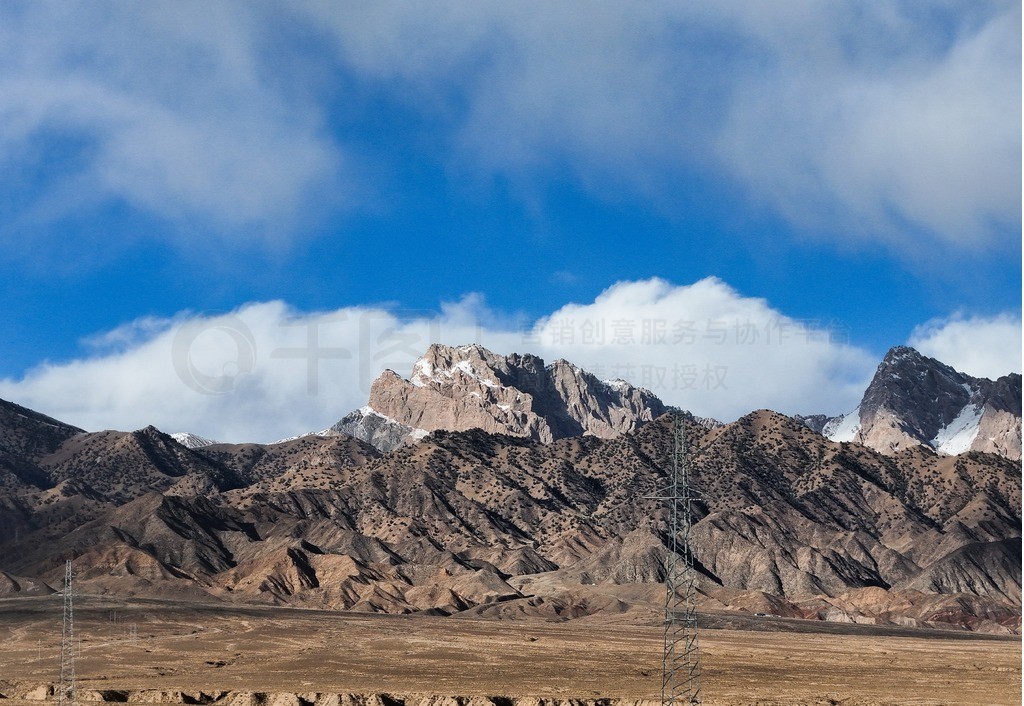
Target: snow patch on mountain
{"type": "Point", "coordinates": [958, 436]}
{"type": "Point", "coordinates": [616, 384]}
{"type": "Point", "coordinates": [844, 428]}
{"type": "Point", "coordinates": [425, 373]}
{"type": "Point", "coordinates": [368, 411]}
{"type": "Point", "coordinates": [422, 373]}
{"type": "Point", "coordinates": [192, 441]}
{"type": "Point", "coordinates": [323, 433]}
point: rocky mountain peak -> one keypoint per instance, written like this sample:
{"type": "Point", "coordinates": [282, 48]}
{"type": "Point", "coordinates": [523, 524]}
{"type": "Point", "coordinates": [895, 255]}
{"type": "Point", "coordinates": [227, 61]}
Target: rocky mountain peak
{"type": "Point", "coordinates": [898, 354]}
{"type": "Point", "coordinates": [926, 392]}
{"type": "Point", "coordinates": [456, 388]}
{"type": "Point", "coordinates": [445, 366]}
{"type": "Point", "coordinates": [914, 400]}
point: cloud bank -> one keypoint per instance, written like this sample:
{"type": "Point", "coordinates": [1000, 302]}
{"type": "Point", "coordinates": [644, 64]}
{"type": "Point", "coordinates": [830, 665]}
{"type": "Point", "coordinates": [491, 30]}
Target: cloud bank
{"type": "Point", "coordinates": [266, 371]}
{"type": "Point", "coordinates": [987, 347]}
{"type": "Point", "coordinates": [883, 122]}
{"type": "Point", "coordinates": [887, 122]}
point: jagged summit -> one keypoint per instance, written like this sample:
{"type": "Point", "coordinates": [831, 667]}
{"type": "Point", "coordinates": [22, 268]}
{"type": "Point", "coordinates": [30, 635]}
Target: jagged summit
{"type": "Point", "coordinates": [914, 400]}
{"type": "Point", "coordinates": [456, 388]}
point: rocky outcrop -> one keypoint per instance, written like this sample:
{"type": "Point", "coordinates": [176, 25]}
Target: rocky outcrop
{"type": "Point", "coordinates": [914, 400]}
{"type": "Point", "coordinates": [45, 692]}
{"type": "Point", "coordinates": [467, 387]}
{"type": "Point", "coordinates": [374, 428]}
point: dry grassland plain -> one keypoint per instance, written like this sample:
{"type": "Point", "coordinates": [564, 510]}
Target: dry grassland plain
{"type": "Point", "coordinates": [211, 648]}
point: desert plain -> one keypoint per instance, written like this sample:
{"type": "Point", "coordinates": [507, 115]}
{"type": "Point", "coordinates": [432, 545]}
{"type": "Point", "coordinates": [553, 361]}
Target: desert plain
{"type": "Point", "coordinates": [147, 651]}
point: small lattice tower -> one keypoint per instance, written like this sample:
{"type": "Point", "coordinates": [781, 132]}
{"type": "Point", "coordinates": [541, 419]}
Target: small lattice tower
{"type": "Point", "coordinates": [680, 683]}
{"type": "Point", "coordinates": [67, 692]}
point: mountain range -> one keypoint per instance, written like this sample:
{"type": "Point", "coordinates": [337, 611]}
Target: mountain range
{"type": "Point", "coordinates": [912, 400]}
{"type": "Point", "coordinates": [498, 485]}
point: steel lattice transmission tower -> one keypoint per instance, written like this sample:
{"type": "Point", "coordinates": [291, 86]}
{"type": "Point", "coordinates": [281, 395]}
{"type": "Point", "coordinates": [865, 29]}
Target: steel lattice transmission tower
{"type": "Point", "coordinates": [680, 672]}
{"type": "Point", "coordinates": [67, 692]}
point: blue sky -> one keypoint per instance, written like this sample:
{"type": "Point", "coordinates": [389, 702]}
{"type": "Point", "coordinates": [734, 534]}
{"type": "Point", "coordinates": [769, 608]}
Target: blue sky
{"type": "Point", "coordinates": [856, 167]}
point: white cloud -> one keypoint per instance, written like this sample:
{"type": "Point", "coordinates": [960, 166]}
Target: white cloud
{"type": "Point", "coordinates": [248, 374]}
{"type": "Point", "coordinates": [886, 121]}
{"type": "Point", "coordinates": [171, 109]}
{"type": "Point", "coordinates": [988, 347]}
{"type": "Point", "coordinates": [707, 348]}
{"type": "Point", "coordinates": [890, 145]}
{"type": "Point", "coordinates": [890, 122]}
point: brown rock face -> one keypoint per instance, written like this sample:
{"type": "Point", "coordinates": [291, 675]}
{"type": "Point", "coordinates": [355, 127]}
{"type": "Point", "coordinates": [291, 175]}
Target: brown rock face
{"type": "Point", "coordinates": [467, 387]}
{"type": "Point", "coordinates": [999, 433]}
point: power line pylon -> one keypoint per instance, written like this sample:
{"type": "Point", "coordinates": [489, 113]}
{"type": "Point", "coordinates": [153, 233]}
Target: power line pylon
{"type": "Point", "coordinates": [67, 691]}
{"type": "Point", "coordinates": [680, 670]}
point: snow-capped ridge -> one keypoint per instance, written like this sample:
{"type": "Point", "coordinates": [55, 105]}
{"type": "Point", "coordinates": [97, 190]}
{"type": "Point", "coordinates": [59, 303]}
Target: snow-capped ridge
{"type": "Point", "coordinates": [192, 441]}
{"type": "Point", "coordinates": [616, 384]}
{"type": "Point", "coordinates": [376, 428]}
{"type": "Point", "coordinates": [322, 433]}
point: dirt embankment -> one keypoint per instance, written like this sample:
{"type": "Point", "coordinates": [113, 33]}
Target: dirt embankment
{"type": "Point", "coordinates": [15, 694]}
